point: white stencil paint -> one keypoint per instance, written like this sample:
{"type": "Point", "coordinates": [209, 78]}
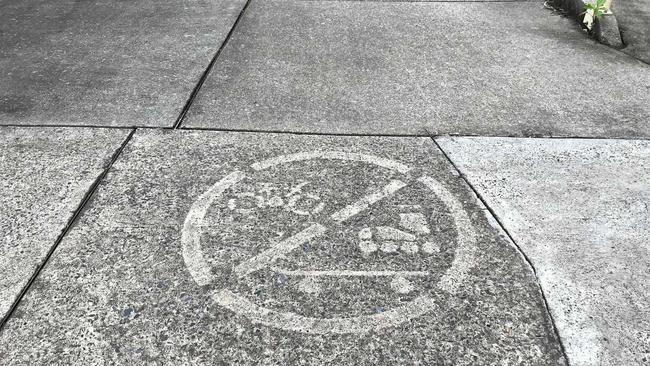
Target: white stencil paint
{"type": "Point", "coordinates": [463, 259]}
{"type": "Point", "coordinates": [191, 236]}
{"type": "Point", "coordinates": [268, 256]}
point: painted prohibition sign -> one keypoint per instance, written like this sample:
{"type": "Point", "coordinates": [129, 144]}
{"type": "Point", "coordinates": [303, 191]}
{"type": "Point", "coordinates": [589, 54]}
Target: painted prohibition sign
{"type": "Point", "coordinates": [412, 238]}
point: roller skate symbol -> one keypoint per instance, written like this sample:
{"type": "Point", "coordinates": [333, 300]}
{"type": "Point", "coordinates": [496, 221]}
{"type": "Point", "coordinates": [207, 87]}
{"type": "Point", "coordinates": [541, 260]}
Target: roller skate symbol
{"type": "Point", "coordinates": [380, 240]}
{"type": "Point", "coordinates": [391, 240]}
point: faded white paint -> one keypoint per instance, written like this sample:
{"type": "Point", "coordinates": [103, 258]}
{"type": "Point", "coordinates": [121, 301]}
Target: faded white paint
{"type": "Point", "coordinates": [415, 222]}
{"type": "Point", "coordinates": [284, 247]}
{"type": "Point", "coordinates": [401, 285]}
{"type": "Point", "coordinates": [298, 323]}
{"type": "Point", "coordinates": [410, 247]}
{"type": "Point", "coordinates": [389, 247]}
{"type": "Point", "coordinates": [430, 247]}
{"type": "Point", "coordinates": [464, 257]}
{"type": "Point", "coordinates": [365, 202]}
{"type": "Point", "coordinates": [191, 236]}
{"type": "Point", "coordinates": [463, 260]}
{"type": "Point", "coordinates": [309, 285]}
{"type": "Point", "coordinates": [348, 273]}
{"type": "Point", "coordinates": [390, 233]}
{"type": "Point", "coordinates": [367, 246]}
{"type": "Point", "coordinates": [365, 233]}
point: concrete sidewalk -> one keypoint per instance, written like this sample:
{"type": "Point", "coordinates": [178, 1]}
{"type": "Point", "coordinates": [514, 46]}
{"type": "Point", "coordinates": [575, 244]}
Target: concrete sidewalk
{"type": "Point", "coordinates": [273, 182]}
{"type": "Point", "coordinates": [634, 19]}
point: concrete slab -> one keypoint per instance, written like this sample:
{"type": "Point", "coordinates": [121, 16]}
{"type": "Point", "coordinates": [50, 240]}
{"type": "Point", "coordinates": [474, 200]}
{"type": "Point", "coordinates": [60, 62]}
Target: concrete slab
{"type": "Point", "coordinates": [579, 210]}
{"type": "Point", "coordinates": [44, 175]}
{"type": "Point", "coordinates": [634, 21]}
{"type": "Point", "coordinates": [109, 63]}
{"type": "Point", "coordinates": [428, 1]}
{"type": "Point", "coordinates": [396, 68]}
{"type": "Point", "coordinates": [236, 248]}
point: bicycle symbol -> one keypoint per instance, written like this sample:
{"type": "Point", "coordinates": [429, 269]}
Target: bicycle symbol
{"type": "Point", "coordinates": [296, 201]}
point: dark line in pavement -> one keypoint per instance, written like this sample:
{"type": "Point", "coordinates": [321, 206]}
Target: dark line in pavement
{"type": "Point", "coordinates": [545, 137]}
{"type": "Point", "coordinates": [502, 226]}
{"type": "Point", "coordinates": [71, 222]}
{"type": "Point", "coordinates": [620, 51]}
{"type": "Point", "coordinates": [435, 1]}
{"type": "Point", "coordinates": [67, 126]}
{"type": "Point", "coordinates": [424, 134]}
{"type": "Point", "coordinates": [205, 74]}
{"type": "Point", "coordinates": [345, 134]}
{"type": "Point", "coordinates": [342, 134]}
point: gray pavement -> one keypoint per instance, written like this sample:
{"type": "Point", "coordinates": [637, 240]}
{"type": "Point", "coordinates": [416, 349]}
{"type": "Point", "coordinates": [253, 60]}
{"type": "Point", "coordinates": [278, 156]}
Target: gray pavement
{"type": "Point", "coordinates": [162, 245]}
{"type": "Point", "coordinates": [44, 175]}
{"type": "Point", "coordinates": [634, 22]}
{"type": "Point", "coordinates": [105, 63]}
{"type": "Point", "coordinates": [397, 68]}
{"type": "Point", "coordinates": [580, 210]}
{"type": "Point", "coordinates": [267, 249]}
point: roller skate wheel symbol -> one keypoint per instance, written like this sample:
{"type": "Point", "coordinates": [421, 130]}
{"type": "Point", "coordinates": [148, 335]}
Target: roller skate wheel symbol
{"type": "Point", "coordinates": [389, 239]}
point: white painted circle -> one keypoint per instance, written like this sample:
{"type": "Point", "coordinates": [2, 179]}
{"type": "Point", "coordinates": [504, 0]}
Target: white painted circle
{"type": "Point", "coordinates": [200, 269]}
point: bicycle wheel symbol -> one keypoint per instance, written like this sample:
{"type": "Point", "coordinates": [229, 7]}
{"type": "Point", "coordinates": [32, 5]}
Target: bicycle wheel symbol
{"type": "Point", "coordinates": [371, 239]}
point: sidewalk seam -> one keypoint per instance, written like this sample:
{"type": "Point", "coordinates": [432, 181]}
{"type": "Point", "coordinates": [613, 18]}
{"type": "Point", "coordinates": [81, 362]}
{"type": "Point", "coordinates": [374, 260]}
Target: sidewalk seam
{"type": "Point", "coordinates": [511, 238]}
{"type": "Point", "coordinates": [415, 134]}
{"type": "Point", "coordinates": [69, 225]}
{"type": "Point", "coordinates": [431, 1]}
{"type": "Point", "coordinates": [206, 72]}
{"type": "Point", "coordinates": [341, 134]}
{"type": "Point", "coordinates": [42, 125]}
{"type": "Point", "coordinates": [285, 132]}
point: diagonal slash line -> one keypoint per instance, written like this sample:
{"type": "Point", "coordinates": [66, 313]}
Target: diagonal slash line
{"type": "Point", "coordinates": [268, 256]}
{"type": "Point", "coordinates": [365, 202]}
{"type": "Point", "coordinates": [286, 246]}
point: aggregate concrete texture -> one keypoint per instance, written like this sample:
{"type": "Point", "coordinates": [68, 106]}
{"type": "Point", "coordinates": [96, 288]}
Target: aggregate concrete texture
{"type": "Point", "coordinates": [44, 175]}
{"type": "Point", "coordinates": [580, 210]}
{"type": "Point", "coordinates": [238, 248]}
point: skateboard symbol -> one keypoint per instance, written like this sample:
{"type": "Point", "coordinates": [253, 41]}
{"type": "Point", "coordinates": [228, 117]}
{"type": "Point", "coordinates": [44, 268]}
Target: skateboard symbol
{"type": "Point", "coordinates": [409, 235]}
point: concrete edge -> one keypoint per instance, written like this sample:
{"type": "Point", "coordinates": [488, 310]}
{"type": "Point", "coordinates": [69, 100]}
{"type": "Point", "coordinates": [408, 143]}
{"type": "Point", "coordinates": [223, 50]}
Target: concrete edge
{"type": "Point", "coordinates": [605, 30]}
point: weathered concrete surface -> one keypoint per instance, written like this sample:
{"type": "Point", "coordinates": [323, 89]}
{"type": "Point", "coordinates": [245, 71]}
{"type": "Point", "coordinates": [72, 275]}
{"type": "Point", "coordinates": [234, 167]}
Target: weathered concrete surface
{"type": "Point", "coordinates": [634, 21]}
{"type": "Point", "coordinates": [429, 1]}
{"type": "Point", "coordinates": [396, 68]}
{"type": "Point", "coordinates": [105, 62]}
{"type": "Point", "coordinates": [44, 175]}
{"type": "Point", "coordinates": [196, 249]}
{"type": "Point", "coordinates": [606, 31]}
{"type": "Point", "coordinates": [580, 211]}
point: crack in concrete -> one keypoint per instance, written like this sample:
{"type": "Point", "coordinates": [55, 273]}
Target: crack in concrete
{"type": "Point", "coordinates": [206, 72]}
{"type": "Point", "coordinates": [510, 237]}
{"type": "Point", "coordinates": [70, 224]}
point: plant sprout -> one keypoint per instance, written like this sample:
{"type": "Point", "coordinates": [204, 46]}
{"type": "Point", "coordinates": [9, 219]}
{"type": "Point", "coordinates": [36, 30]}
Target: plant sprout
{"type": "Point", "coordinates": [594, 11]}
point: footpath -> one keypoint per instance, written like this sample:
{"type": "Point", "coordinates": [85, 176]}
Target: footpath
{"type": "Point", "coordinates": [294, 182]}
